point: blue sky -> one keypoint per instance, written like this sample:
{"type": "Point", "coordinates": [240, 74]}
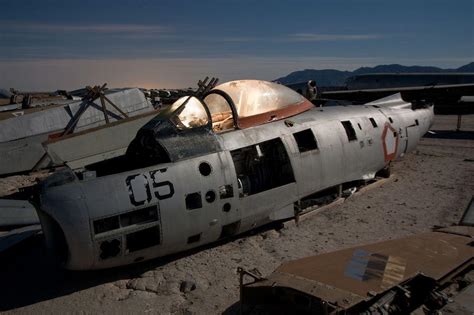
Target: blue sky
{"type": "Point", "coordinates": [67, 44]}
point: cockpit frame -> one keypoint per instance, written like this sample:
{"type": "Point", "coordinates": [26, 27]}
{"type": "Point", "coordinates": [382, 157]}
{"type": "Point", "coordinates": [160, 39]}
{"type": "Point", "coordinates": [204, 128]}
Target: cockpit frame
{"type": "Point", "coordinates": [229, 101]}
{"type": "Point", "coordinates": [215, 119]}
{"type": "Point", "coordinates": [176, 112]}
{"type": "Point", "coordinates": [198, 113]}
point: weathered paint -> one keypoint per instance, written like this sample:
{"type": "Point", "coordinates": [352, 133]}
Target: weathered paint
{"type": "Point", "coordinates": [355, 275]}
{"type": "Point", "coordinates": [21, 137]}
{"type": "Point", "coordinates": [78, 205]}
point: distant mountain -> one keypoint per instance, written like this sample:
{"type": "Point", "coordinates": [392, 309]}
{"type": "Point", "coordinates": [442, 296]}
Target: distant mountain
{"type": "Point", "coordinates": [395, 68]}
{"type": "Point", "coordinates": [467, 68]}
{"type": "Point", "coordinates": [326, 77]}
{"type": "Point", "coordinates": [330, 77]}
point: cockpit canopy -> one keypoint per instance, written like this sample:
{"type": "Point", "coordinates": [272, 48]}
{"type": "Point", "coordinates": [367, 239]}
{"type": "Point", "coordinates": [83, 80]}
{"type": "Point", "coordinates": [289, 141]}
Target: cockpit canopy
{"type": "Point", "coordinates": [254, 97]}
{"type": "Point", "coordinates": [239, 104]}
{"type": "Point", "coordinates": [187, 127]}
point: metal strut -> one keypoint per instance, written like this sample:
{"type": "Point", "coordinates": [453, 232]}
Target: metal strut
{"type": "Point", "coordinates": [93, 93]}
{"type": "Point", "coordinates": [204, 87]}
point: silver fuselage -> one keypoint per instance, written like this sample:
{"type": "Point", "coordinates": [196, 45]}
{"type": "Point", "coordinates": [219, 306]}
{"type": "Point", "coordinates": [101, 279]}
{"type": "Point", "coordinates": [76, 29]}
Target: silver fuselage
{"type": "Point", "coordinates": [185, 209]}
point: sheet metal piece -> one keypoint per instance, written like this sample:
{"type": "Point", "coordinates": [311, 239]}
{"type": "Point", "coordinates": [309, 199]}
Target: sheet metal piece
{"type": "Point", "coordinates": [394, 101]}
{"type": "Point", "coordinates": [9, 107]}
{"type": "Point", "coordinates": [21, 137]}
{"type": "Point", "coordinates": [350, 276]}
{"type": "Point", "coordinates": [97, 144]}
{"type": "Point", "coordinates": [17, 212]}
{"type": "Point", "coordinates": [56, 118]}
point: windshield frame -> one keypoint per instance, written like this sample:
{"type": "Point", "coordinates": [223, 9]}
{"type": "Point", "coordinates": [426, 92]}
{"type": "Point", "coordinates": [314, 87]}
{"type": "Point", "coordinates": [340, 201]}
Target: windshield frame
{"type": "Point", "coordinates": [177, 111]}
{"type": "Point", "coordinates": [238, 122]}
{"type": "Point", "coordinates": [228, 100]}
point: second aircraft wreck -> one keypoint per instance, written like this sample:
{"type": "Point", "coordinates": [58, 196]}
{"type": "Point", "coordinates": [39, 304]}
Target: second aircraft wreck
{"type": "Point", "coordinates": [243, 155]}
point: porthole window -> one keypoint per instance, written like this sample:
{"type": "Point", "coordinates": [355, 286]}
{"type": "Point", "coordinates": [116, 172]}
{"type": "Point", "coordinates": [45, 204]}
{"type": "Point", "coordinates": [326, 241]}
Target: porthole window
{"type": "Point", "coordinates": [226, 207]}
{"type": "Point", "coordinates": [210, 196]}
{"type": "Point", "coordinates": [205, 169]}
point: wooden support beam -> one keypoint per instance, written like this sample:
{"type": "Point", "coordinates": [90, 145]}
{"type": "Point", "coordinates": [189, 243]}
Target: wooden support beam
{"type": "Point", "coordinates": [104, 108]}
{"type": "Point", "coordinates": [75, 119]}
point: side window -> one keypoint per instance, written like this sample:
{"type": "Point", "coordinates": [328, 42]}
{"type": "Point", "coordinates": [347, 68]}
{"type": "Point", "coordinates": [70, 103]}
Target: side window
{"type": "Point", "coordinates": [262, 167]}
{"type": "Point", "coordinates": [373, 122]}
{"type": "Point", "coordinates": [351, 134]}
{"type": "Point", "coordinates": [305, 140]}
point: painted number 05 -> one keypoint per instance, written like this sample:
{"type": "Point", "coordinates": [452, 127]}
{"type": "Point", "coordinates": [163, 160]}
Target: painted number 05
{"type": "Point", "coordinates": [139, 189]}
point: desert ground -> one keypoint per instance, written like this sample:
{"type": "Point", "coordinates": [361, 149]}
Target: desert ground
{"type": "Point", "coordinates": [430, 186]}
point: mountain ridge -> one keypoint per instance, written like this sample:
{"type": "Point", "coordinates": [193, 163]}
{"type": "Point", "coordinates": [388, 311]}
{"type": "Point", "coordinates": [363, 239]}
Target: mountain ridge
{"type": "Point", "coordinates": [332, 77]}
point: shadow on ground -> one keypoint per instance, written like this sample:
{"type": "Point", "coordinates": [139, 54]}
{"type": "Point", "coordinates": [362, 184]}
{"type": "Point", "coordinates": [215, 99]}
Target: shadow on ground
{"type": "Point", "coordinates": [30, 274]}
{"type": "Point", "coordinates": [234, 309]}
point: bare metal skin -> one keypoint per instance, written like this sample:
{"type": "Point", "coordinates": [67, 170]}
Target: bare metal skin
{"type": "Point", "coordinates": [256, 176]}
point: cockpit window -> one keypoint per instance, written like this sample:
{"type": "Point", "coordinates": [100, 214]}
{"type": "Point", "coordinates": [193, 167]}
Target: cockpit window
{"type": "Point", "coordinates": [221, 112]}
{"type": "Point", "coordinates": [191, 115]}
{"type": "Point", "coordinates": [253, 97]}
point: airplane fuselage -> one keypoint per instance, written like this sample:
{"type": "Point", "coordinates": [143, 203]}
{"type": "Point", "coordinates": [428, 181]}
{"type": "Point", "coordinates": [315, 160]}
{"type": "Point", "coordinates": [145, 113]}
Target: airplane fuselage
{"type": "Point", "coordinates": [256, 177]}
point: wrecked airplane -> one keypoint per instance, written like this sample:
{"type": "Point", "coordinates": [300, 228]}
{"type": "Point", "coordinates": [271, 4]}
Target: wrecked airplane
{"type": "Point", "coordinates": [206, 168]}
{"type": "Point", "coordinates": [22, 132]}
{"type": "Point", "coordinates": [427, 273]}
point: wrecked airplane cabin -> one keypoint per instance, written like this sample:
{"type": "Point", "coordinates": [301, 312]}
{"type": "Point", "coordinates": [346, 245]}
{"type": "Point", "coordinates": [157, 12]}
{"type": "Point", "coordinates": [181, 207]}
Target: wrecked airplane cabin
{"type": "Point", "coordinates": [46, 130]}
{"type": "Point", "coordinates": [138, 174]}
{"type": "Point", "coordinates": [216, 164]}
{"type": "Point", "coordinates": [23, 132]}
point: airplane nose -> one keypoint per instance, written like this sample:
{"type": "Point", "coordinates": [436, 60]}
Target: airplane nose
{"type": "Point", "coordinates": [54, 237]}
{"type": "Point", "coordinates": [65, 221]}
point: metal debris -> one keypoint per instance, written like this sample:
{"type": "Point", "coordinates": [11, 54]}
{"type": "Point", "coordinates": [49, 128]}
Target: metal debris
{"type": "Point", "coordinates": [21, 136]}
{"type": "Point", "coordinates": [17, 213]}
{"type": "Point", "coordinates": [390, 277]}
